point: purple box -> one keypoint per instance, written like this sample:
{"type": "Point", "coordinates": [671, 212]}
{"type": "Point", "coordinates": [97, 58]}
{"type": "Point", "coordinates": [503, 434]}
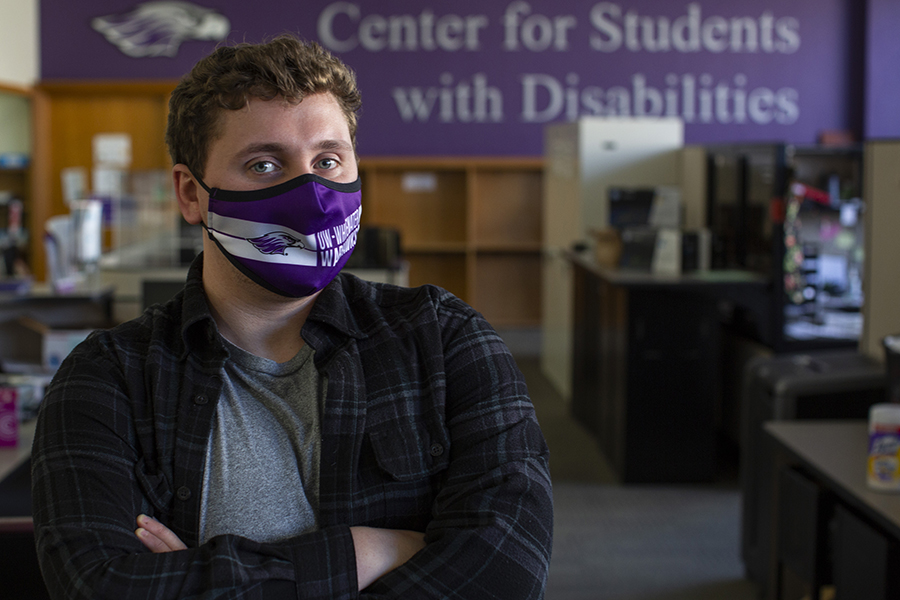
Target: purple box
{"type": "Point", "coordinates": [9, 421]}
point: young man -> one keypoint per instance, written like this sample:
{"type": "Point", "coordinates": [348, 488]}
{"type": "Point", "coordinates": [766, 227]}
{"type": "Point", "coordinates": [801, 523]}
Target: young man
{"type": "Point", "coordinates": [278, 430]}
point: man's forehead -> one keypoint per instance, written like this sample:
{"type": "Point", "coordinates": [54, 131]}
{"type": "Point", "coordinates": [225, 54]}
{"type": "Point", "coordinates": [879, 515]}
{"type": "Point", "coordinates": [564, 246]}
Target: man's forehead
{"type": "Point", "coordinates": [319, 110]}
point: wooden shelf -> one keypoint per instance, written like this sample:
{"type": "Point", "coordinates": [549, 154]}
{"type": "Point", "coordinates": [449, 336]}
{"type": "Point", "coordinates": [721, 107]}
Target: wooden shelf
{"type": "Point", "coordinates": [507, 206]}
{"type": "Point", "coordinates": [14, 180]}
{"type": "Point", "coordinates": [445, 270]}
{"type": "Point", "coordinates": [471, 225]}
{"type": "Point", "coordinates": [439, 213]}
{"type": "Point", "coordinates": [435, 247]}
{"type": "Point", "coordinates": [508, 289]}
{"type": "Point", "coordinates": [524, 247]}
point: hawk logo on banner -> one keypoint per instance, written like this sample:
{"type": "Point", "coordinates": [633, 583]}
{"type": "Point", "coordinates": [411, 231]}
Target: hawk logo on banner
{"type": "Point", "coordinates": [158, 28]}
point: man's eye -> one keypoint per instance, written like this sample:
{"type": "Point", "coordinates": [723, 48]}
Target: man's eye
{"type": "Point", "coordinates": [327, 163]}
{"type": "Point", "coordinates": [263, 166]}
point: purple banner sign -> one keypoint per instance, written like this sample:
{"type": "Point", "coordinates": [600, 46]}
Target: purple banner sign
{"type": "Point", "coordinates": [478, 78]}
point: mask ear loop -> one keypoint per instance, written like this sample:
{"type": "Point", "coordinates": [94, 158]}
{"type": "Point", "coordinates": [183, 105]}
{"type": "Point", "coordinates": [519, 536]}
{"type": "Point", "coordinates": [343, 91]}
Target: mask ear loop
{"type": "Point", "coordinates": [211, 192]}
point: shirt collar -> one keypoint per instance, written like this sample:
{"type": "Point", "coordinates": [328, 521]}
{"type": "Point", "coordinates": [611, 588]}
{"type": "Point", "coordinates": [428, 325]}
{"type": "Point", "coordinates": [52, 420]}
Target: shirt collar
{"type": "Point", "coordinates": [332, 309]}
{"type": "Point", "coordinates": [198, 330]}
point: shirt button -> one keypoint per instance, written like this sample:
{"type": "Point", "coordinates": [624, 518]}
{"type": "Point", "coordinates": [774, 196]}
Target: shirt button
{"type": "Point", "coordinates": [200, 400]}
{"type": "Point", "coordinates": [437, 449]}
{"type": "Point", "coordinates": [183, 493]}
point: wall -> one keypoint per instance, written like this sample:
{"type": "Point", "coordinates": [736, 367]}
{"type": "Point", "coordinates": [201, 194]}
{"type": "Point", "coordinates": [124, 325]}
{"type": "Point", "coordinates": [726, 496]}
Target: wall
{"type": "Point", "coordinates": [881, 316]}
{"type": "Point", "coordinates": [18, 42]}
{"type": "Point", "coordinates": [15, 124]}
{"type": "Point", "coordinates": [882, 102]}
{"type": "Point", "coordinates": [478, 78]}
{"type": "Point", "coordinates": [881, 289]}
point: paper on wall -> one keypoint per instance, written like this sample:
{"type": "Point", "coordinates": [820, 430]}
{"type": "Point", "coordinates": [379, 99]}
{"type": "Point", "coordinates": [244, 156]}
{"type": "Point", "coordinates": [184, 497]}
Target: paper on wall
{"type": "Point", "coordinates": [112, 150]}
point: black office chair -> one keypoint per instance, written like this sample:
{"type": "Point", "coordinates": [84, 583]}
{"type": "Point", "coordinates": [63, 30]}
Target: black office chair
{"type": "Point", "coordinates": [376, 248]}
{"type": "Point", "coordinates": [159, 291]}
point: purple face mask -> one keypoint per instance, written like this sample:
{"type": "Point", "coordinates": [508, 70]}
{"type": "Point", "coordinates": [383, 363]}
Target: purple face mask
{"type": "Point", "coordinates": [292, 238]}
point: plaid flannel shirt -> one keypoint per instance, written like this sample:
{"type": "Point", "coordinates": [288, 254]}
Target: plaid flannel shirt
{"type": "Point", "coordinates": [427, 425]}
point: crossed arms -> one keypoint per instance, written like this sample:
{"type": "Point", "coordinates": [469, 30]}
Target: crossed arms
{"type": "Point", "coordinates": [378, 551]}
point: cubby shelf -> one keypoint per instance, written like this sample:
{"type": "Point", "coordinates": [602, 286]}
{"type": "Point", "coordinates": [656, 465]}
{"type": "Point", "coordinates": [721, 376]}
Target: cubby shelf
{"type": "Point", "coordinates": [469, 224]}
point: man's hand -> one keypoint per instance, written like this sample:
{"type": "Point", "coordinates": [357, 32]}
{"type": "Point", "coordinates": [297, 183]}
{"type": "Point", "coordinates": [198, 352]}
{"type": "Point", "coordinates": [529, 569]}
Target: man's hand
{"type": "Point", "coordinates": [156, 536]}
{"type": "Point", "coordinates": [379, 551]}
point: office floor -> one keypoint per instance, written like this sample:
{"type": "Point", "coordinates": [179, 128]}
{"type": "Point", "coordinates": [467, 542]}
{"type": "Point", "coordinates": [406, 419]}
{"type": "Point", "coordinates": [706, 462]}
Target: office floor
{"type": "Point", "coordinates": [649, 542]}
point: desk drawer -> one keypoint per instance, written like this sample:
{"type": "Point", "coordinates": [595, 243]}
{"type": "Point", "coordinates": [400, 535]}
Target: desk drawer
{"type": "Point", "coordinates": [865, 560]}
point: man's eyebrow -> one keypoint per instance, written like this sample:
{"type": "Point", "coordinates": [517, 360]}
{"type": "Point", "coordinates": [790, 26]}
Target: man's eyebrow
{"type": "Point", "coordinates": [275, 148]}
{"type": "Point", "coordinates": [333, 145]}
{"type": "Point", "coordinates": [266, 147]}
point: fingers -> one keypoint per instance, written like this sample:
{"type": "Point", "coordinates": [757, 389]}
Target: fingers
{"type": "Point", "coordinates": [150, 541]}
{"type": "Point", "coordinates": [156, 536]}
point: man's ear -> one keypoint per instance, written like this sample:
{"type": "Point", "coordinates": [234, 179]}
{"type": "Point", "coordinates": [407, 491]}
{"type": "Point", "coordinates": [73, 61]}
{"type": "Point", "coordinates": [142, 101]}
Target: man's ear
{"type": "Point", "coordinates": [189, 194]}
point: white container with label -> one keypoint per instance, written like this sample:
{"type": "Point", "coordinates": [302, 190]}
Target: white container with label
{"type": "Point", "coordinates": [883, 472]}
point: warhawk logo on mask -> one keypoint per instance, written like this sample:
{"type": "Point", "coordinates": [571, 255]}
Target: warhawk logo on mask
{"type": "Point", "coordinates": [276, 242]}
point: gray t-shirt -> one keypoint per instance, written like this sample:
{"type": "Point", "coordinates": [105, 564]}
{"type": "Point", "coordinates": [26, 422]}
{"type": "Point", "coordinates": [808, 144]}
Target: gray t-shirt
{"type": "Point", "coordinates": [261, 479]}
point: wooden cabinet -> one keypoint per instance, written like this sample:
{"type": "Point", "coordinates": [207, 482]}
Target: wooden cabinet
{"type": "Point", "coordinates": [646, 364]}
{"type": "Point", "coordinates": [471, 225]}
{"type": "Point", "coordinates": [644, 382]}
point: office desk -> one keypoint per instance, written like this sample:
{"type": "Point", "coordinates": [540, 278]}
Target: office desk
{"type": "Point", "coordinates": [646, 365]}
{"type": "Point", "coordinates": [91, 305]}
{"type": "Point", "coordinates": [19, 570]}
{"type": "Point", "coordinates": [836, 452]}
{"type": "Point", "coordinates": [15, 493]}
{"type": "Point", "coordinates": [832, 455]}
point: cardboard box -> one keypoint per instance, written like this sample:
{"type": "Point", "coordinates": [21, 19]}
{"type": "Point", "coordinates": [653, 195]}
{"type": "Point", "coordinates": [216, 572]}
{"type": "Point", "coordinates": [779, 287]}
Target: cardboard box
{"type": "Point", "coordinates": [608, 247]}
{"type": "Point", "coordinates": [55, 342]}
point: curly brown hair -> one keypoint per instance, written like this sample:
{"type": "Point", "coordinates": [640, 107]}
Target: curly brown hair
{"type": "Point", "coordinates": [231, 76]}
